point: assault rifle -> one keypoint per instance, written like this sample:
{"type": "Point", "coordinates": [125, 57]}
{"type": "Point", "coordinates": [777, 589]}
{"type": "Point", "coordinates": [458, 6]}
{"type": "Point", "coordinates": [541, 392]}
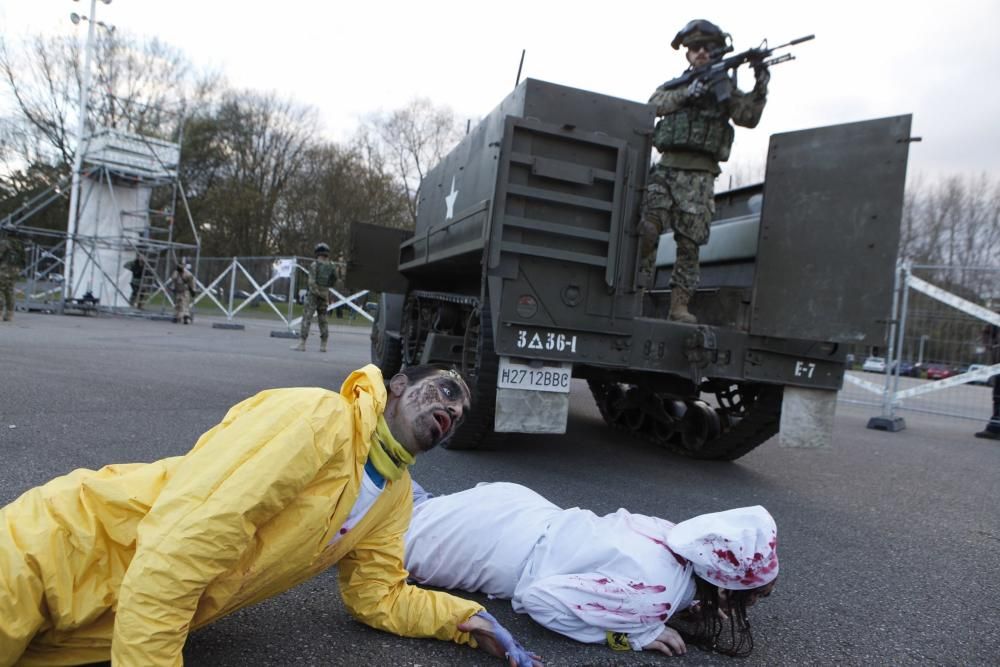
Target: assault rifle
{"type": "Point", "coordinates": [715, 73]}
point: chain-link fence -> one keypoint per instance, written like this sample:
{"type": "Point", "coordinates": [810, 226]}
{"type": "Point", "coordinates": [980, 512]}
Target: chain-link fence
{"type": "Point", "coordinates": [940, 353]}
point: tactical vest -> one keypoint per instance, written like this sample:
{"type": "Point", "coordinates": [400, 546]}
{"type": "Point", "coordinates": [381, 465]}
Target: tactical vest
{"type": "Point", "coordinates": [694, 129]}
{"type": "Point", "coordinates": [325, 274]}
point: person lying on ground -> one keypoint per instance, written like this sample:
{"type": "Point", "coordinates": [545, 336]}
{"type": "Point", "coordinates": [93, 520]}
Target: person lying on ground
{"type": "Point", "coordinates": [636, 582]}
{"type": "Point", "coordinates": [123, 562]}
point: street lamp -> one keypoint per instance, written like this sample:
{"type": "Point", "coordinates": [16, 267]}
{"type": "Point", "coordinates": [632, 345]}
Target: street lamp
{"type": "Point", "coordinates": [76, 18]}
{"type": "Point", "coordinates": [74, 195]}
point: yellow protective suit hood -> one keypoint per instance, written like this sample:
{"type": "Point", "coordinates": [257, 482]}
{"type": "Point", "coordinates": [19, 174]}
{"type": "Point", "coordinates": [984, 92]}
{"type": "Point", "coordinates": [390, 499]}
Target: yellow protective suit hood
{"type": "Point", "coordinates": [120, 563]}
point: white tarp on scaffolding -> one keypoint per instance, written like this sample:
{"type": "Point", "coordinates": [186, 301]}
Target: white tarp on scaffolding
{"type": "Point", "coordinates": [133, 154]}
{"type": "Point", "coordinates": [111, 221]}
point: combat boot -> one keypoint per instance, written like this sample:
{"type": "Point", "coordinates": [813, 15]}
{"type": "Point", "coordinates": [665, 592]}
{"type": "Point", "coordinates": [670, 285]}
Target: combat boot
{"type": "Point", "coordinates": [301, 347]}
{"type": "Point", "coordinates": [322, 345]}
{"type": "Point", "coordinates": [679, 300]}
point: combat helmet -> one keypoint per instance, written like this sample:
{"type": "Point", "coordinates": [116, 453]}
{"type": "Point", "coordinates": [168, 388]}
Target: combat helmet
{"type": "Point", "coordinates": [700, 31]}
{"type": "Point", "coordinates": [321, 249]}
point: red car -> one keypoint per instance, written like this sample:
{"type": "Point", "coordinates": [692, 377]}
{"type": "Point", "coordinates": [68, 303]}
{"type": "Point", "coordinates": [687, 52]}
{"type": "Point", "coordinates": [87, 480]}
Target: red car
{"type": "Point", "coordinates": [939, 372]}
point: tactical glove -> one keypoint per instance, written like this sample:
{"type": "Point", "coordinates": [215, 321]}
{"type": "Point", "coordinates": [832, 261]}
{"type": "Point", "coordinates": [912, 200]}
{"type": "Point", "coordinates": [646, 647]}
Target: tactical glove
{"type": "Point", "coordinates": [762, 75]}
{"type": "Point", "coordinates": [696, 89]}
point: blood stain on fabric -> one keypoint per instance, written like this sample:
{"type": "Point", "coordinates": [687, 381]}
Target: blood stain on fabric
{"type": "Point", "coordinates": [656, 588]}
{"type": "Point", "coordinates": [728, 555]}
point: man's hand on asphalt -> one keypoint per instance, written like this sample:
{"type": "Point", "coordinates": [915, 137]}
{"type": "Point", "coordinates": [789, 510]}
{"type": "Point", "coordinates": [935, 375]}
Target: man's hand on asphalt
{"type": "Point", "coordinates": [496, 640]}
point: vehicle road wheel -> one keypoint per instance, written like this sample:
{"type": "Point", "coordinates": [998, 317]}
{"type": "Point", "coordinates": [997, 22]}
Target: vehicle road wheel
{"type": "Point", "coordinates": [387, 351]}
{"type": "Point", "coordinates": [480, 365]}
{"type": "Point", "coordinates": [747, 415]}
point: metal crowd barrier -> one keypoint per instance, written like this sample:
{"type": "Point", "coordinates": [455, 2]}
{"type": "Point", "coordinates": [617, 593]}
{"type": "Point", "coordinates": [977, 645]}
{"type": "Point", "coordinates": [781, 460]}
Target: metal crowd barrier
{"type": "Point", "coordinates": [938, 359]}
{"type": "Point", "coordinates": [234, 284]}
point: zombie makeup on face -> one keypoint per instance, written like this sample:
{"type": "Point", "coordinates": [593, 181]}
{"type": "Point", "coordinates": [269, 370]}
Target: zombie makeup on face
{"type": "Point", "coordinates": [438, 405]}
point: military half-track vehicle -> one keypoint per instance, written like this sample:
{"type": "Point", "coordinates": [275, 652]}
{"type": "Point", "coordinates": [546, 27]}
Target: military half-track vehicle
{"type": "Point", "coordinates": [522, 273]}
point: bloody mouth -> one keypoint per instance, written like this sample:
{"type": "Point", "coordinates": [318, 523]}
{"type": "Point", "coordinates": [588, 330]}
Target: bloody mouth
{"type": "Point", "coordinates": [443, 421]}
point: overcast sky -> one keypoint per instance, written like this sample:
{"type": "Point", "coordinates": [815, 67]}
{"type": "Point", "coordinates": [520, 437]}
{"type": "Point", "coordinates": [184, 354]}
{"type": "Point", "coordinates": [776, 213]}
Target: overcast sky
{"type": "Point", "coordinates": [870, 59]}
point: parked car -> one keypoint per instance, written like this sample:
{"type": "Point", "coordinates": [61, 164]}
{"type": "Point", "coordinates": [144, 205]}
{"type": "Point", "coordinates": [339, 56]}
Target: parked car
{"type": "Point", "coordinates": [906, 369]}
{"type": "Point", "coordinates": [939, 372]}
{"type": "Point", "coordinates": [874, 365]}
{"type": "Point", "coordinates": [988, 381]}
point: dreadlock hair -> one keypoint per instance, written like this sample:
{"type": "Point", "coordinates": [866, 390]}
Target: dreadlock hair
{"type": "Point", "coordinates": [703, 627]}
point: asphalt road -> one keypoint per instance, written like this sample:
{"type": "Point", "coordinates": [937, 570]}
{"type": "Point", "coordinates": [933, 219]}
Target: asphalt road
{"type": "Point", "coordinates": [889, 543]}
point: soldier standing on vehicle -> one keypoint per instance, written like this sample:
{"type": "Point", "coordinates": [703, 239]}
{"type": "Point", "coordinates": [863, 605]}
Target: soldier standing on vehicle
{"type": "Point", "coordinates": [181, 285]}
{"type": "Point", "coordinates": [991, 339]}
{"type": "Point", "coordinates": [694, 135]}
{"type": "Point", "coordinates": [11, 263]}
{"type": "Point", "coordinates": [322, 273]}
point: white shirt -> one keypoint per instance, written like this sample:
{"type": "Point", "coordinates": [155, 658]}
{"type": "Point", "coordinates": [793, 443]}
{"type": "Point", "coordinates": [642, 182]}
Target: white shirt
{"type": "Point", "coordinates": [476, 540]}
{"type": "Point", "coordinates": [367, 495]}
{"type": "Point", "coordinates": [572, 571]}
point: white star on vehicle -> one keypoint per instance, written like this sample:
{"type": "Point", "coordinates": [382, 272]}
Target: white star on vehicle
{"type": "Point", "coordinates": [450, 201]}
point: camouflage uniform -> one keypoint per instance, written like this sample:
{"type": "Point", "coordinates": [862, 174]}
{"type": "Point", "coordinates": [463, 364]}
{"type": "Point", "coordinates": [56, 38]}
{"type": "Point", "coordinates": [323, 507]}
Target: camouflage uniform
{"type": "Point", "coordinates": [137, 266]}
{"type": "Point", "coordinates": [680, 189]}
{"type": "Point", "coordinates": [321, 277]}
{"type": "Point", "coordinates": [11, 263]}
{"type": "Point", "coordinates": [181, 286]}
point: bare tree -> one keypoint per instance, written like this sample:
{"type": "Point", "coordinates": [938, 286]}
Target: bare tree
{"type": "Point", "coordinates": [333, 189]}
{"type": "Point", "coordinates": [954, 226]}
{"type": "Point", "coordinates": [42, 78]}
{"type": "Point", "coordinates": [412, 140]}
{"type": "Point", "coordinates": [389, 199]}
{"type": "Point", "coordinates": [955, 221]}
{"type": "Point", "coordinates": [242, 157]}
{"type": "Point", "coordinates": [137, 86]}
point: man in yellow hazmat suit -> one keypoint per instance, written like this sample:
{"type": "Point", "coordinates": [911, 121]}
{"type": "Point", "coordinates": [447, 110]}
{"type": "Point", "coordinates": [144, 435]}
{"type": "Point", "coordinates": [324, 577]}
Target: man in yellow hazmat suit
{"type": "Point", "coordinates": [121, 563]}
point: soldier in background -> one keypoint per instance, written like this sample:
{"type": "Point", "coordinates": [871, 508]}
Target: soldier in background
{"type": "Point", "coordinates": [181, 286]}
{"type": "Point", "coordinates": [322, 274]}
{"type": "Point", "coordinates": [991, 339]}
{"type": "Point", "coordinates": [694, 136]}
{"type": "Point", "coordinates": [12, 260]}
{"type": "Point", "coordinates": [137, 266]}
